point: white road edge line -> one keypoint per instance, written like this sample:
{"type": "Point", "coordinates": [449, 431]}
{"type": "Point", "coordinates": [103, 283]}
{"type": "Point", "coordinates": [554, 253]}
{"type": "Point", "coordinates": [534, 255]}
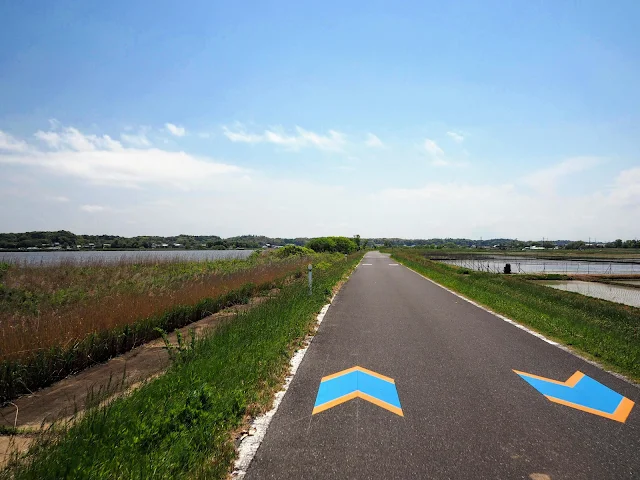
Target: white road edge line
{"type": "Point", "coordinates": [249, 445]}
{"type": "Point", "coordinates": [528, 330]}
{"type": "Point", "coordinates": [366, 264]}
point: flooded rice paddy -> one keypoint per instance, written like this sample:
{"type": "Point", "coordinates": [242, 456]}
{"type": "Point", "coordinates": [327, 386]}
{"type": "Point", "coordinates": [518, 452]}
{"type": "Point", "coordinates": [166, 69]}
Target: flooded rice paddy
{"type": "Point", "coordinates": [116, 256]}
{"type": "Point", "coordinates": [613, 293]}
{"type": "Point", "coordinates": [539, 265]}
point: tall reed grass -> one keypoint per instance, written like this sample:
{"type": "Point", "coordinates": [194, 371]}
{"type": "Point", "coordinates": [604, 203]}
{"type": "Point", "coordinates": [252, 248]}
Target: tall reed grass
{"type": "Point", "coordinates": [57, 320]}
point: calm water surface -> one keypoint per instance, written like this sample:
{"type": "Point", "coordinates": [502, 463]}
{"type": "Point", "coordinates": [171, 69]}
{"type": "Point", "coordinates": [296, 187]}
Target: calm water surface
{"type": "Point", "coordinates": [613, 293]}
{"type": "Point", "coordinates": [537, 265]}
{"type": "Point", "coordinates": [53, 258]}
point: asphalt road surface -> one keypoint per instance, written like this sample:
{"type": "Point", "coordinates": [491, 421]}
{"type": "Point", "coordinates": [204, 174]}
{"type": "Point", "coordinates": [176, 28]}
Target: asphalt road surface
{"type": "Point", "coordinates": [466, 414]}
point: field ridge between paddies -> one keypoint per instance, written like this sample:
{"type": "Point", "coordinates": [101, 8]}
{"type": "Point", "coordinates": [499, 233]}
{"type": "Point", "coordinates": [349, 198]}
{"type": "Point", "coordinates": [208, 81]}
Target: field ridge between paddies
{"type": "Point", "coordinates": [182, 424]}
{"type": "Point", "coordinates": [58, 320]}
{"type": "Point", "coordinates": [605, 331]}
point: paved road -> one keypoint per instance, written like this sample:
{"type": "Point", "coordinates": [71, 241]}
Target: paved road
{"type": "Point", "coordinates": [466, 414]}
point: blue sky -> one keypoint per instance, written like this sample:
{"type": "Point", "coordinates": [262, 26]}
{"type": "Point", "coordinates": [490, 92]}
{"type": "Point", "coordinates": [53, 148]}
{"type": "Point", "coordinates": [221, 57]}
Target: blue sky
{"type": "Point", "coordinates": [411, 119]}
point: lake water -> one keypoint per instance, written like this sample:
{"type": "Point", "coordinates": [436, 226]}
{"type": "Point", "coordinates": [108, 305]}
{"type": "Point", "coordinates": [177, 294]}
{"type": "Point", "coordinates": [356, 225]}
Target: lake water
{"type": "Point", "coordinates": [537, 265]}
{"type": "Point", "coordinates": [57, 257]}
{"type": "Point", "coordinates": [613, 293]}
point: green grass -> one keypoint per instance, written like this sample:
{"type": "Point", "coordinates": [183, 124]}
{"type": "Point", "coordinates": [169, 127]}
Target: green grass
{"type": "Point", "coordinates": [180, 425]}
{"type": "Point", "coordinates": [605, 331]}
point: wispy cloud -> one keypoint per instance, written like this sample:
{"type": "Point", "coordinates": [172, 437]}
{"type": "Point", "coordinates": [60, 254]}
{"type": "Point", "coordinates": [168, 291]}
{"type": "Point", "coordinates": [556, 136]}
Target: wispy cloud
{"type": "Point", "coordinates": [333, 141]}
{"type": "Point", "coordinates": [59, 198]}
{"type": "Point", "coordinates": [373, 141]}
{"type": "Point", "coordinates": [102, 160]}
{"type": "Point", "coordinates": [69, 138]}
{"type": "Point", "coordinates": [456, 137]}
{"type": "Point", "coordinates": [545, 180]}
{"type": "Point", "coordinates": [438, 157]}
{"type": "Point", "coordinates": [139, 139]}
{"type": "Point", "coordinates": [433, 148]}
{"type": "Point", "coordinates": [93, 208]}
{"type": "Point", "coordinates": [625, 191]}
{"type": "Point", "coordinates": [175, 130]}
{"type": "Point", "coordinates": [9, 143]}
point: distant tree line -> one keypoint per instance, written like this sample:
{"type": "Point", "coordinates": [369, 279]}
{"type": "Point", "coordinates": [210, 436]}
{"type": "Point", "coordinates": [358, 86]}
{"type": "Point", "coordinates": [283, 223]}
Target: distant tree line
{"type": "Point", "coordinates": [502, 243]}
{"type": "Point", "coordinates": [66, 240]}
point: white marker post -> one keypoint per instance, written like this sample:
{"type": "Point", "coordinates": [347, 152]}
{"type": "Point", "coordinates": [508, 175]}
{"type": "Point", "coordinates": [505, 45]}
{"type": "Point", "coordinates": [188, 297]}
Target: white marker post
{"type": "Point", "coordinates": [310, 267]}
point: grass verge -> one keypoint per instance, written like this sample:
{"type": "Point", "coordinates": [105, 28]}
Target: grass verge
{"type": "Point", "coordinates": [180, 425]}
{"type": "Point", "coordinates": [605, 331]}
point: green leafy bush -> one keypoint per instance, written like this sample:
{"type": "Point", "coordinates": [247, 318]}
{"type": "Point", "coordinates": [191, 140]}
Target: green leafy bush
{"type": "Point", "coordinates": [291, 250]}
{"type": "Point", "coordinates": [332, 245]}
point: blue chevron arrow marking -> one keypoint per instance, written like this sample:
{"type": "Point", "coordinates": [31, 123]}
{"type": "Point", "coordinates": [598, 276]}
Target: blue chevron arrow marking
{"type": "Point", "coordinates": [583, 393]}
{"type": "Point", "coordinates": [357, 382]}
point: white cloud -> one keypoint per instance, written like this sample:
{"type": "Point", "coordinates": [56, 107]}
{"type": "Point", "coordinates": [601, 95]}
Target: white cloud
{"type": "Point", "coordinates": [93, 208]}
{"type": "Point", "coordinates": [176, 130]}
{"type": "Point", "coordinates": [438, 157]}
{"type": "Point", "coordinates": [137, 140]}
{"type": "Point", "coordinates": [545, 180]}
{"type": "Point", "coordinates": [462, 209]}
{"type": "Point", "coordinates": [11, 144]}
{"type": "Point", "coordinates": [302, 138]}
{"type": "Point", "coordinates": [432, 148]}
{"type": "Point", "coordinates": [176, 192]}
{"type": "Point", "coordinates": [70, 138]}
{"type": "Point", "coordinates": [101, 160]}
{"type": "Point", "coordinates": [626, 188]}
{"type": "Point", "coordinates": [59, 198]}
{"type": "Point", "coordinates": [373, 141]}
{"type": "Point", "coordinates": [456, 137]}
{"type": "Point", "coordinates": [242, 136]}
{"type": "Point", "coordinates": [455, 209]}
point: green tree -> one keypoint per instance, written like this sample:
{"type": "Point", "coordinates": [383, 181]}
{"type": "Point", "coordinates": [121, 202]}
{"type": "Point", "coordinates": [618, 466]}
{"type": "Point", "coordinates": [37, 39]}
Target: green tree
{"type": "Point", "coordinates": [332, 244]}
{"type": "Point", "coordinates": [356, 239]}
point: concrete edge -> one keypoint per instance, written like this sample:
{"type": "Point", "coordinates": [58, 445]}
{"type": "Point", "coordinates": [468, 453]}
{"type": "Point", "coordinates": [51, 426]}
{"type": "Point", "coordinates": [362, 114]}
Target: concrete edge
{"type": "Point", "coordinates": [528, 330]}
{"type": "Point", "coordinates": [249, 445]}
